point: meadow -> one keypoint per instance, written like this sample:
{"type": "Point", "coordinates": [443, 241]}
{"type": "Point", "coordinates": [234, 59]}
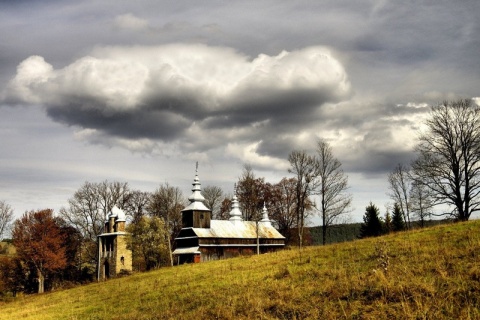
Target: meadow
{"type": "Point", "coordinates": [431, 273]}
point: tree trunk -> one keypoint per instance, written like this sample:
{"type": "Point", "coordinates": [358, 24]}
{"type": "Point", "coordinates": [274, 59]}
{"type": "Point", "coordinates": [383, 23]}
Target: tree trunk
{"type": "Point", "coordinates": [41, 281]}
{"type": "Point", "coordinates": [258, 241]}
{"type": "Point", "coordinates": [324, 233]}
{"type": "Point", "coordinates": [300, 232]}
{"type": "Point", "coordinates": [170, 249]}
{"type": "Point", "coordinates": [324, 220]}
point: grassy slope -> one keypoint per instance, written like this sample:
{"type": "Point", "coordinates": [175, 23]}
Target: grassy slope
{"type": "Point", "coordinates": [432, 273]}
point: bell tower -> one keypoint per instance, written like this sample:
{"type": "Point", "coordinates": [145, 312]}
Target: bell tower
{"type": "Point", "coordinates": [196, 214]}
{"type": "Point", "coordinates": [113, 255]}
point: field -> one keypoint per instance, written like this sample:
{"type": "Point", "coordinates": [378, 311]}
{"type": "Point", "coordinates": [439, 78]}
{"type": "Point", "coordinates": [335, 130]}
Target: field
{"type": "Point", "coordinates": [432, 273]}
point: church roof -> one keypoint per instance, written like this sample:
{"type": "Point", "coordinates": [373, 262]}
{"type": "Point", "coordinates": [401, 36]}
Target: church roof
{"type": "Point", "coordinates": [188, 250]}
{"type": "Point", "coordinates": [238, 230]}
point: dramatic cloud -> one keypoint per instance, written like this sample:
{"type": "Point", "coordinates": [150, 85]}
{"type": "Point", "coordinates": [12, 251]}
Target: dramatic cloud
{"type": "Point", "coordinates": [181, 93]}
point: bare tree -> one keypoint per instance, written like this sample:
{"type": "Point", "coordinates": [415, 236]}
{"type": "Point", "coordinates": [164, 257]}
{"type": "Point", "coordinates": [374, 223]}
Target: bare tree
{"type": "Point", "coordinates": [136, 205]}
{"type": "Point", "coordinates": [421, 203]}
{"type": "Point", "coordinates": [281, 205]}
{"type": "Point", "coordinates": [88, 209]}
{"type": "Point", "coordinates": [305, 168]}
{"type": "Point", "coordinates": [225, 207]}
{"type": "Point", "coordinates": [213, 199]}
{"type": "Point", "coordinates": [6, 218]}
{"type": "Point", "coordinates": [111, 194]}
{"type": "Point", "coordinates": [332, 187]}
{"type": "Point", "coordinates": [90, 205]}
{"type": "Point", "coordinates": [250, 192]}
{"type": "Point", "coordinates": [449, 157]}
{"type": "Point", "coordinates": [399, 185]}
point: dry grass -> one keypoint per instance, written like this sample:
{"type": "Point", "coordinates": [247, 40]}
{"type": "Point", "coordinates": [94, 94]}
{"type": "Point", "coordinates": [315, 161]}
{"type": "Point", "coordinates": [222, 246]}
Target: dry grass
{"type": "Point", "coordinates": [426, 274]}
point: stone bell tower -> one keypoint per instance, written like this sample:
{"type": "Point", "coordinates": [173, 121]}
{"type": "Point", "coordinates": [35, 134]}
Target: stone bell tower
{"type": "Point", "coordinates": [113, 255]}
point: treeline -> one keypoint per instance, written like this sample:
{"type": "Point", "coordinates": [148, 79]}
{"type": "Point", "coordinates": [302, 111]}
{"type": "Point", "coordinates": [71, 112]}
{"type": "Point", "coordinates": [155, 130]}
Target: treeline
{"type": "Point", "coordinates": [352, 231]}
{"type": "Point", "coordinates": [55, 250]}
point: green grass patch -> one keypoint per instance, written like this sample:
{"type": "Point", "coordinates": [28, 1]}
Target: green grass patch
{"type": "Point", "coordinates": [432, 273]}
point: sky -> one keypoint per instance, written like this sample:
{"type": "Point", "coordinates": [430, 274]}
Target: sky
{"type": "Point", "coordinates": [139, 91]}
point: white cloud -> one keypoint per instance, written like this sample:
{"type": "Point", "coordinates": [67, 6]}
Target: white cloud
{"type": "Point", "coordinates": [193, 94]}
{"type": "Point", "coordinates": [32, 73]}
{"type": "Point", "coordinates": [123, 76]}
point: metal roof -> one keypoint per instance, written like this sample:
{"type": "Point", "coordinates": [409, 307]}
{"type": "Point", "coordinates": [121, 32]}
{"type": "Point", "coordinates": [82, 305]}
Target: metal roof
{"type": "Point", "coordinates": [237, 229]}
{"type": "Point", "coordinates": [186, 250]}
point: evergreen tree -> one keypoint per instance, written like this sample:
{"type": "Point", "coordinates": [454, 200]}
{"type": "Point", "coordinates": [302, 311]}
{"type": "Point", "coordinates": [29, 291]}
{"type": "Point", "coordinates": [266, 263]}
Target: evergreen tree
{"type": "Point", "coordinates": [372, 225]}
{"type": "Point", "coordinates": [388, 224]}
{"type": "Point", "coordinates": [398, 223]}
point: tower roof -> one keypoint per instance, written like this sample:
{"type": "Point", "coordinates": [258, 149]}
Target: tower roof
{"type": "Point", "coordinates": [116, 213]}
{"type": "Point", "coordinates": [265, 220]}
{"type": "Point", "coordinates": [196, 198]}
{"type": "Point", "coordinates": [119, 213]}
{"type": "Point", "coordinates": [235, 213]}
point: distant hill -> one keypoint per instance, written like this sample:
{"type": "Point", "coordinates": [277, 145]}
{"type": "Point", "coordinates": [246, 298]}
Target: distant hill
{"type": "Point", "coordinates": [431, 273]}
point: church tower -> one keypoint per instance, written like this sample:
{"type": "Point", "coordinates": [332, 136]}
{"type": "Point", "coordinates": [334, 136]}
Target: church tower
{"type": "Point", "coordinates": [113, 255]}
{"type": "Point", "coordinates": [196, 214]}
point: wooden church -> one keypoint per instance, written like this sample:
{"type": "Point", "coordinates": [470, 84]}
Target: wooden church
{"type": "Point", "coordinates": [204, 239]}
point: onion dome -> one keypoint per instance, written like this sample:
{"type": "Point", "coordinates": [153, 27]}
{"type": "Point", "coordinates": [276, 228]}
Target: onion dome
{"type": "Point", "coordinates": [235, 213]}
{"type": "Point", "coordinates": [119, 213]}
{"type": "Point", "coordinates": [196, 198]}
{"type": "Point", "coordinates": [265, 220]}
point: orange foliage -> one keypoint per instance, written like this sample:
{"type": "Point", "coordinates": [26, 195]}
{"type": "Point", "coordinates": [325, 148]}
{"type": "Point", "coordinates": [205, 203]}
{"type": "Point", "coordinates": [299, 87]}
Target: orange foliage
{"type": "Point", "coordinates": [39, 240]}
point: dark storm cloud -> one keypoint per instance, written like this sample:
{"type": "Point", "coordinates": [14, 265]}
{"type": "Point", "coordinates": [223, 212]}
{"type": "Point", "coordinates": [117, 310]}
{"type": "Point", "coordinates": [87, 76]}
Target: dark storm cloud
{"type": "Point", "coordinates": [153, 124]}
{"type": "Point", "coordinates": [280, 107]}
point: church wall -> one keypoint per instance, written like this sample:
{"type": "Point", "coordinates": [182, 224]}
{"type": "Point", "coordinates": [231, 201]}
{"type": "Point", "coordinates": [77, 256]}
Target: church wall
{"type": "Point", "coordinates": [124, 264]}
{"type": "Point", "coordinates": [185, 243]}
{"type": "Point", "coordinates": [240, 241]}
{"type": "Point", "coordinates": [218, 253]}
{"type": "Point", "coordinates": [196, 219]}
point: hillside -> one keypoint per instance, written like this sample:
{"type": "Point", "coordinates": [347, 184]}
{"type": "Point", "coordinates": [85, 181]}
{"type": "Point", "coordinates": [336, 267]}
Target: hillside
{"type": "Point", "coordinates": [432, 273]}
